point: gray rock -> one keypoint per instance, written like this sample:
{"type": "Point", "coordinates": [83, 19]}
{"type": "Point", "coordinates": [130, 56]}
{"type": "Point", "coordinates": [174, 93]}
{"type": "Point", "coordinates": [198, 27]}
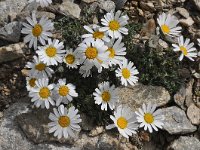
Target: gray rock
{"type": "Point", "coordinates": [187, 22]}
{"type": "Point", "coordinates": [10, 7]}
{"type": "Point", "coordinates": [89, 1]}
{"type": "Point", "coordinates": [107, 5]}
{"type": "Point", "coordinates": [176, 121]}
{"type": "Point", "coordinates": [19, 116]}
{"type": "Point", "coordinates": [197, 3]}
{"type": "Point", "coordinates": [11, 52]}
{"type": "Point", "coordinates": [183, 12]}
{"type": "Point", "coordinates": [184, 95]}
{"type": "Point", "coordinates": [185, 143]}
{"type": "Point", "coordinates": [11, 32]}
{"type": "Point", "coordinates": [70, 9]}
{"type": "Point", "coordinates": [193, 113]}
{"type": "Point", "coordinates": [35, 125]}
{"type": "Point", "coordinates": [120, 3]}
{"type": "Point", "coordinates": [111, 142]}
{"type": "Point", "coordinates": [137, 95]}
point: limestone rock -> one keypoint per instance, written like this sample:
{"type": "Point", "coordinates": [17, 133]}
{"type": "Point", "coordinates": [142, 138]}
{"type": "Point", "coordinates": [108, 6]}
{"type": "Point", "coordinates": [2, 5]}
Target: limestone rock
{"type": "Point", "coordinates": [107, 5]}
{"type": "Point", "coordinates": [70, 9]}
{"type": "Point", "coordinates": [187, 22]}
{"type": "Point", "coordinates": [183, 12]}
{"type": "Point", "coordinates": [184, 95]}
{"type": "Point", "coordinates": [89, 1]}
{"type": "Point", "coordinates": [197, 3]}
{"type": "Point", "coordinates": [10, 7]}
{"type": "Point", "coordinates": [193, 113]}
{"type": "Point", "coordinates": [185, 143]}
{"type": "Point", "coordinates": [176, 121]}
{"type": "Point", "coordinates": [35, 125]}
{"type": "Point", "coordinates": [110, 142]}
{"type": "Point", "coordinates": [11, 32]}
{"type": "Point", "coordinates": [137, 95]}
{"type": "Point", "coordinates": [11, 52]}
{"type": "Point", "coordinates": [120, 3]}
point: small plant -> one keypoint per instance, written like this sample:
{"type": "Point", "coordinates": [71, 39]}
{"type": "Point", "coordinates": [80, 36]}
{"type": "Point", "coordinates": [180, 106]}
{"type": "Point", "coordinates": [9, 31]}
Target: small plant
{"type": "Point", "coordinates": [83, 76]}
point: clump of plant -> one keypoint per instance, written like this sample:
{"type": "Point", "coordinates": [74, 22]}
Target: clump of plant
{"type": "Point", "coordinates": [82, 77]}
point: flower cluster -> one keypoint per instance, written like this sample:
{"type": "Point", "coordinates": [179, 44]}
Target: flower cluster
{"type": "Point", "coordinates": [102, 47]}
{"type": "Point", "coordinates": [168, 25]}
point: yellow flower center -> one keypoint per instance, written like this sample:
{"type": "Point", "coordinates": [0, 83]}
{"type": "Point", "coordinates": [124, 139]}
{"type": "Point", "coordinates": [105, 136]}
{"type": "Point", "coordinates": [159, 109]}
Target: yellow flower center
{"type": "Point", "coordinates": [40, 67]}
{"type": "Point", "coordinates": [63, 90]}
{"type": "Point", "coordinates": [44, 92]}
{"type": "Point", "coordinates": [70, 59]}
{"type": "Point", "coordinates": [184, 50]}
{"type": "Point", "coordinates": [106, 96]}
{"type": "Point", "coordinates": [126, 73]}
{"type": "Point", "coordinates": [149, 118]}
{"type": "Point", "coordinates": [32, 82]}
{"type": "Point", "coordinates": [114, 25]}
{"type": "Point", "coordinates": [98, 35]}
{"type": "Point", "coordinates": [165, 29]}
{"type": "Point", "coordinates": [122, 122]}
{"type": "Point", "coordinates": [91, 52]}
{"type": "Point", "coordinates": [64, 121]}
{"type": "Point", "coordinates": [51, 51]}
{"type": "Point", "coordinates": [37, 30]}
{"type": "Point", "coordinates": [112, 52]}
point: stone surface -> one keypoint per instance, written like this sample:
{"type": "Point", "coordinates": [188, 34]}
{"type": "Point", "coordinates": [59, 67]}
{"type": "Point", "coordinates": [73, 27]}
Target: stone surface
{"type": "Point", "coordinates": [183, 12]}
{"type": "Point", "coordinates": [185, 143]}
{"type": "Point", "coordinates": [119, 3]}
{"type": "Point", "coordinates": [11, 32]}
{"type": "Point", "coordinates": [107, 5]}
{"type": "Point", "coordinates": [176, 121]}
{"type": "Point", "coordinates": [13, 138]}
{"type": "Point", "coordinates": [70, 9]}
{"type": "Point", "coordinates": [89, 1]}
{"type": "Point", "coordinates": [187, 22]}
{"type": "Point", "coordinates": [137, 95]}
{"type": "Point", "coordinates": [10, 7]}
{"type": "Point", "coordinates": [197, 3]}
{"type": "Point", "coordinates": [193, 113]}
{"type": "Point", "coordinates": [11, 52]}
{"type": "Point", "coordinates": [35, 126]}
{"type": "Point", "coordinates": [183, 97]}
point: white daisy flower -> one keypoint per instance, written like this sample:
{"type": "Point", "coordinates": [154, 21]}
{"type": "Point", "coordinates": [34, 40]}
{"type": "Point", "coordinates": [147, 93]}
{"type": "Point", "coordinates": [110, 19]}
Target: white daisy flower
{"type": "Point", "coordinates": [43, 3]}
{"type": "Point", "coordinates": [42, 93]}
{"type": "Point", "coordinates": [186, 48]}
{"type": "Point", "coordinates": [114, 24]}
{"type": "Point", "coordinates": [95, 34]}
{"type": "Point", "coordinates": [30, 82]}
{"type": "Point", "coordinates": [168, 24]}
{"type": "Point", "coordinates": [117, 52]}
{"type": "Point", "coordinates": [93, 53]}
{"type": "Point", "coordinates": [127, 73]}
{"type": "Point", "coordinates": [106, 95]}
{"type": "Point", "coordinates": [85, 71]}
{"type": "Point", "coordinates": [52, 53]}
{"type": "Point", "coordinates": [64, 122]}
{"type": "Point", "coordinates": [71, 58]}
{"type": "Point", "coordinates": [149, 118]}
{"type": "Point", "coordinates": [39, 69]}
{"type": "Point", "coordinates": [37, 30]}
{"type": "Point", "coordinates": [124, 119]}
{"type": "Point", "coordinates": [64, 93]}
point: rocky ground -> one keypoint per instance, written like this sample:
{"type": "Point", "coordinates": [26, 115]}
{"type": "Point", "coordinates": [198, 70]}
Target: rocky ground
{"type": "Point", "coordinates": [25, 128]}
